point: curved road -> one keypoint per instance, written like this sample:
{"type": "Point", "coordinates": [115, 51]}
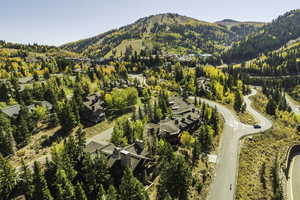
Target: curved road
{"type": "Point", "coordinates": [294, 179]}
{"type": "Point", "coordinates": [293, 183]}
{"type": "Point", "coordinates": [227, 162]}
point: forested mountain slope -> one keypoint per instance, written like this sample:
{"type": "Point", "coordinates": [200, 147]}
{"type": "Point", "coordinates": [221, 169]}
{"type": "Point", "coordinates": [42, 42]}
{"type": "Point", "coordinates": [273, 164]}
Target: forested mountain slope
{"type": "Point", "coordinates": [170, 33]}
{"type": "Point", "coordinates": [270, 37]}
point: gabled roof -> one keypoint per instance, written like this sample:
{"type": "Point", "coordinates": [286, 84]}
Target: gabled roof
{"type": "Point", "coordinates": [15, 109]}
{"type": "Point", "coordinates": [134, 151]}
{"type": "Point", "coordinates": [93, 102]}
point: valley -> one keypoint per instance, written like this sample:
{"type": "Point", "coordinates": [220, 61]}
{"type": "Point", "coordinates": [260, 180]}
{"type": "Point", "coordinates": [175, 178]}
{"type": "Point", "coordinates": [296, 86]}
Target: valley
{"type": "Point", "coordinates": [168, 107]}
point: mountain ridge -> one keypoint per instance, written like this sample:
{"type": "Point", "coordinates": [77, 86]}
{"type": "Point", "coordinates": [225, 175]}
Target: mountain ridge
{"type": "Point", "coordinates": [169, 32]}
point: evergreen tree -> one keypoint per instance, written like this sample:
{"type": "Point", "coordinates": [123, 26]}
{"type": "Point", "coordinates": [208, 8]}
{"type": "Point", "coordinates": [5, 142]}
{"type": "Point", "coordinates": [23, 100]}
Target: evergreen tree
{"type": "Point", "coordinates": [177, 186]}
{"type": "Point", "coordinates": [79, 192]}
{"type": "Point", "coordinates": [24, 124]}
{"type": "Point", "coordinates": [64, 186]}
{"type": "Point", "coordinates": [112, 193]}
{"type": "Point", "coordinates": [131, 188]}
{"type": "Point", "coordinates": [101, 193]}
{"type": "Point", "coordinates": [7, 141]}
{"type": "Point", "coordinates": [53, 121]}
{"type": "Point", "coordinates": [26, 181]}
{"type": "Point", "coordinates": [238, 102]}
{"type": "Point", "coordinates": [41, 190]}
{"type": "Point", "coordinates": [271, 107]}
{"type": "Point", "coordinates": [8, 178]}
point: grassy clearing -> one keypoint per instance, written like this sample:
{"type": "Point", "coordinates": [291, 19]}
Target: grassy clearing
{"type": "Point", "coordinates": [98, 128]}
{"type": "Point", "coordinates": [34, 149]}
{"type": "Point", "coordinates": [258, 153]}
{"type": "Point", "coordinates": [247, 118]}
{"type": "Point", "coordinates": [103, 126]}
{"type": "Point", "coordinates": [296, 102]}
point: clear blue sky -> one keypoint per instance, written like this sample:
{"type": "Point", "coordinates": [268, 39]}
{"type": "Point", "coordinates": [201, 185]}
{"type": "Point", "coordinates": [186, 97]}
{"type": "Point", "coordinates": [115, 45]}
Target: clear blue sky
{"type": "Point", "coordinates": [55, 22]}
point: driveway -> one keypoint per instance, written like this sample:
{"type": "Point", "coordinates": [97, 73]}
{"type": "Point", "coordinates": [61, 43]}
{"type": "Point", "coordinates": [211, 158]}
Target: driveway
{"type": "Point", "coordinates": [227, 162]}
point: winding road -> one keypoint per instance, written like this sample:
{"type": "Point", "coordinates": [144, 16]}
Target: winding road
{"type": "Point", "coordinates": [227, 162]}
{"type": "Point", "coordinates": [293, 183]}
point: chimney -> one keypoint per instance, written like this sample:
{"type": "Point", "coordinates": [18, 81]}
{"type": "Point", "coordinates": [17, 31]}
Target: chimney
{"type": "Point", "coordinates": [116, 152]}
{"type": "Point", "coordinates": [140, 144]}
{"type": "Point", "coordinates": [126, 159]}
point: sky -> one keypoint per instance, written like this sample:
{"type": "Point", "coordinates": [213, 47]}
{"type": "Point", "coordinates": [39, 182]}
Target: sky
{"type": "Point", "coordinates": [56, 22]}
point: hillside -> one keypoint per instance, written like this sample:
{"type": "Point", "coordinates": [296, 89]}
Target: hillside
{"type": "Point", "coordinates": [167, 32]}
{"type": "Point", "coordinates": [21, 60]}
{"type": "Point", "coordinates": [241, 29]}
{"type": "Point", "coordinates": [269, 37]}
{"type": "Point", "coordinates": [282, 62]}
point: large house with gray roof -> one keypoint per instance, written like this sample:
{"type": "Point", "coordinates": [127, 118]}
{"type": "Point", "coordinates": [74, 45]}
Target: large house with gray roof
{"type": "Point", "coordinates": [185, 117]}
{"type": "Point", "coordinates": [94, 110]}
{"type": "Point", "coordinates": [13, 111]}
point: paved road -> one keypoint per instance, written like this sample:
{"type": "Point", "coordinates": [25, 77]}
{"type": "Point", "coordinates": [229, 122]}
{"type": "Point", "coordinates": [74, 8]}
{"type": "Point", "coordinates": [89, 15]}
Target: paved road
{"type": "Point", "coordinates": [227, 162]}
{"type": "Point", "coordinates": [295, 108]}
{"type": "Point", "coordinates": [293, 184]}
{"type": "Point", "coordinates": [294, 181]}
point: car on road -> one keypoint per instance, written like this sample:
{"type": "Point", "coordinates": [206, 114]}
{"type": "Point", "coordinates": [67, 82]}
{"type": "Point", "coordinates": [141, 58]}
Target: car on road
{"type": "Point", "coordinates": [256, 126]}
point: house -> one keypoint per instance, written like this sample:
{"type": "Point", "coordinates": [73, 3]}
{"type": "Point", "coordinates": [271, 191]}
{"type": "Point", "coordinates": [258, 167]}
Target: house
{"type": "Point", "coordinates": [203, 85]}
{"type": "Point", "coordinates": [13, 111]}
{"type": "Point", "coordinates": [185, 117]}
{"type": "Point", "coordinates": [94, 110]}
{"type": "Point", "coordinates": [120, 157]}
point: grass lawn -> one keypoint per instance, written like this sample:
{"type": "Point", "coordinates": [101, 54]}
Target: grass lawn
{"type": "Point", "coordinates": [259, 152]}
{"type": "Point", "coordinates": [98, 128]}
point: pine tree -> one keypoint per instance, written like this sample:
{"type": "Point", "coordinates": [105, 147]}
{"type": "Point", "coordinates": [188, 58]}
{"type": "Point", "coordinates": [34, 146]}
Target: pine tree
{"type": "Point", "coordinates": [178, 185]}
{"type": "Point", "coordinates": [131, 188]}
{"type": "Point", "coordinates": [112, 193]}
{"type": "Point", "coordinates": [79, 192]}
{"type": "Point", "coordinates": [7, 141]}
{"type": "Point", "coordinates": [141, 116]}
{"type": "Point", "coordinates": [41, 190]}
{"type": "Point", "coordinates": [238, 102]}
{"type": "Point", "coordinates": [24, 126]}
{"type": "Point", "coordinates": [8, 178]}
{"type": "Point", "coordinates": [26, 181]}
{"type": "Point", "coordinates": [101, 195]}
{"type": "Point", "coordinates": [271, 107]}
{"type": "Point", "coordinates": [64, 186]}
{"type": "Point", "coordinates": [53, 121]}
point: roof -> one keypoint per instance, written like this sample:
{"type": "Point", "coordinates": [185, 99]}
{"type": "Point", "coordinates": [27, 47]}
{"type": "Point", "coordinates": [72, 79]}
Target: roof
{"type": "Point", "coordinates": [134, 151]}
{"type": "Point", "coordinates": [169, 126]}
{"type": "Point", "coordinates": [94, 102]}
{"type": "Point", "coordinates": [15, 109]}
{"type": "Point", "coordinates": [12, 110]}
{"type": "Point", "coordinates": [179, 106]}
